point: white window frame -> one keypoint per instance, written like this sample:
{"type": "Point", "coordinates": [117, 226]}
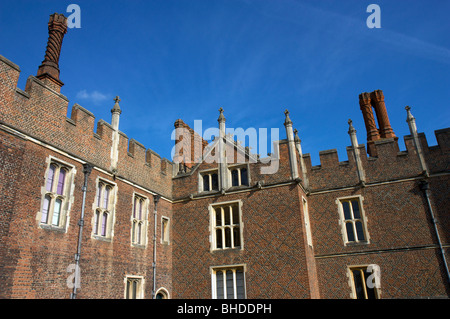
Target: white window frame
{"type": "Point", "coordinates": [238, 167]}
{"type": "Point", "coordinates": [208, 172]}
{"type": "Point", "coordinates": [362, 219]}
{"type": "Point", "coordinates": [143, 221]}
{"type": "Point", "coordinates": [165, 231]}
{"type": "Point", "coordinates": [66, 198]}
{"type": "Point", "coordinates": [214, 227]}
{"type": "Point", "coordinates": [233, 268]}
{"type": "Point", "coordinates": [110, 210]}
{"type": "Point", "coordinates": [140, 287]}
{"type": "Point", "coordinates": [351, 280]}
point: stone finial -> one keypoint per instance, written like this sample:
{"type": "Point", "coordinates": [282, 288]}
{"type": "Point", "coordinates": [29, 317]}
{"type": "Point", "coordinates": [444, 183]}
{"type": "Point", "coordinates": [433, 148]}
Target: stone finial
{"type": "Point", "coordinates": [57, 28]}
{"type": "Point", "coordinates": [351, 128]}
{"type": "Point", "coordinates": [115, 111]}
{"type": "Point", "coordinates": [287, 121]}
{"type": "Point", "coordinates": [221, 116]}
{"type": "Point", "coordinates": [116, 108]}
{"type": "Point", "coordinates": [409, 116]}
{"type": "Point", "coordinates": [413, 129]}
{"type": "Point", "coordinates": [296, 138]}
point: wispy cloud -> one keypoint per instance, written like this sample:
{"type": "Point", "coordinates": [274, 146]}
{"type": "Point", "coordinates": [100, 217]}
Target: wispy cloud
{"type": "Point", "coordinates": [406, 44]}
{"type": "Point", "coordinates": [415, 46]}
{"type": "Point", "coordinates": [350, 26]}
{"type": "Point", "coordinates": [95, 97]}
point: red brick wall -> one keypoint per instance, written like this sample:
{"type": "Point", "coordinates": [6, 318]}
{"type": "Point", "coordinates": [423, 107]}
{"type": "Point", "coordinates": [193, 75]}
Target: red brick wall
{"type": "Point", "coordinates": [41, 113]}
{"type": "Point", "coordinates": [279, 262]}
{"type": "Point", "coordinates": [274, 245]}
{"type": "Point", "coordinates": [35, 260]}
{"type": "Point", "coordinates": [11, 154]}
{"type": "Point", "coordinates": [404, 274]}
{"type": "Point", "coordinates": [402, 239]}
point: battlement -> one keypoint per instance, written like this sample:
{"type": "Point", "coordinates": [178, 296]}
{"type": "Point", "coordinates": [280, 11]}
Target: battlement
{"type": "Point", "coordinates": [186, 182]}
{"type": "Point", "coordinates": [389, 164]}
{"type": "Point", "coordinates": [40, 111]}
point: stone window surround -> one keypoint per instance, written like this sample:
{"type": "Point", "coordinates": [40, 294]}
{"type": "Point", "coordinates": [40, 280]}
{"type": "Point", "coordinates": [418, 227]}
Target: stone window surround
{"type": "Point", "coordinates": [69, 188]}
{"type": "Point", "coordinates": [165, 230]}
{"type": "Point", "coordinates": [239, 167]}
{"type": "Point", "coordinates": [209, 172]}
{"type": "Point", "coordinates": [215, 269]}
{"type": "Point", "coordinates": [140, 288]}
{"type": "Point", "coordinates": [351, 281]}
{"type": "Point", "coordinates": [144, 220]}
{"type": "Point", "coordinates": [363, 219]}
{"type": "Point", "coordinates": [111, 213]}
{"type": "Point", "coordinates": [212, 214]}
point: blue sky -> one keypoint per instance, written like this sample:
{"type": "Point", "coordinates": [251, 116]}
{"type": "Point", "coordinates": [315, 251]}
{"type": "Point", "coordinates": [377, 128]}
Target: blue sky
{"type": "Point", "coordinates": [170, 59]}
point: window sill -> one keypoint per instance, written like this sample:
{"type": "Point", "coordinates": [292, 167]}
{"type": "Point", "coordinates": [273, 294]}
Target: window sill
{"type": "Point", "coordinates": [213, 191]}
{"type": "Point", "coordinates": [235, 188]}
{"type": "Point", "coordinates": [140, 246]}
{"type": "Point", "coordinates": [356, 243]}
{"type": "Point", "coordinates": [230, 189]}
{"type": "Point", "coordinates": [105, 239]}
{"type": "Point", "coordinates": [57, 229]}
{"type": "Point", "coordinates": [224, 250]}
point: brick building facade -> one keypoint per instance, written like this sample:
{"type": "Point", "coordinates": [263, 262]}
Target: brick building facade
{"type": "Point", "coordinates": [211, 226]}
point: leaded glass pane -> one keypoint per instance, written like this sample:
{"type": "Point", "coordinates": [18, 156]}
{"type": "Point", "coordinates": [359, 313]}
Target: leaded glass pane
{"type": "Point", "coordinates": [350, 233]}
{"type": "Point", "coordinates": [219, 284]}
{"type": "Point", "coordinates": [56, 212]}
{"type": "Point", "coordinates": [355, 206]}
{"type": "Point", "coordinates": [346, 208]}
{"type": "Point", "coordinates": [61, 181]}
{"type": "Point", "coordinates": [51, 175]}
{"type": "Point", "coordinates": [45, 209]}
{"type": "Point", "coordinates": [230, 284]}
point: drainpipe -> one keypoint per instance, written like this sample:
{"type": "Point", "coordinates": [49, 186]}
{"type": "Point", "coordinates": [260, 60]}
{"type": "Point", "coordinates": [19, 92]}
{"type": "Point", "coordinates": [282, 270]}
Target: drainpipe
{"type": "Point", "coordinates": [87, 168]}
{"type": "Point", "coordinates": [155, 200]}
{"type": "Point", "coordinates": [425, 186]}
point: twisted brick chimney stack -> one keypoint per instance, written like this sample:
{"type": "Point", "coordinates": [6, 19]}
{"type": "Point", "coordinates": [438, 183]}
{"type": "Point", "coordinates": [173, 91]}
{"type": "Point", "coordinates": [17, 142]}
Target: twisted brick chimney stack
{"type": "Point", "coordinates": [49, 69]}
{"type": "Point", "coordinates": [375, 100]}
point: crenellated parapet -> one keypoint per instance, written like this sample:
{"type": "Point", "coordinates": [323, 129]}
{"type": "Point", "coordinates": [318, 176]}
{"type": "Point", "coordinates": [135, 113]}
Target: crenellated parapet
{"type": "Point", "coordinates": [40, 112]}
{"type": "Point", "coordinates": [359, 170]}
{"type": "Point", "coordinates": [390, 164]}
{"type": "Point", "coordinates": [218, 208]}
